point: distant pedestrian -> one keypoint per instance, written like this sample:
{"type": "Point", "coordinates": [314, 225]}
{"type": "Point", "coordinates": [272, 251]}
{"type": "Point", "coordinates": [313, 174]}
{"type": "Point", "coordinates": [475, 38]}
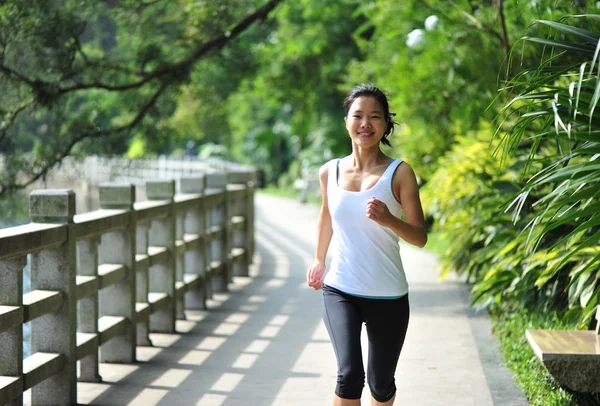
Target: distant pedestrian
{"type": "Point", "coordinates": [364, 197]}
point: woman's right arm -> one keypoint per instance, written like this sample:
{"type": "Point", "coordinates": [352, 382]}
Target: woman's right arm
{"type": "Point", "coordinates": [314, 277]}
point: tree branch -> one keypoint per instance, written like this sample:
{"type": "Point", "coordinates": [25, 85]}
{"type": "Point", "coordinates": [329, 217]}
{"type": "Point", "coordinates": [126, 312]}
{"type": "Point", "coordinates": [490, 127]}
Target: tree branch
{"type": "Point", "coordinates": [502, 21]}
{"type": "Point", "coordinates": [204, 48]}
{"type": "Point", "coordinates": [5, 125]}
{"type": "Point", "coordinates": [215, 44]}
{"type": "Point", "coordinates": [43, 171]}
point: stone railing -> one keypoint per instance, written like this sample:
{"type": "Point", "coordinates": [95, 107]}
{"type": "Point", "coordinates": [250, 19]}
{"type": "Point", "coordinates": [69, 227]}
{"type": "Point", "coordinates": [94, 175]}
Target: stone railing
{"type": "Point", "coordinates": [102, 280]}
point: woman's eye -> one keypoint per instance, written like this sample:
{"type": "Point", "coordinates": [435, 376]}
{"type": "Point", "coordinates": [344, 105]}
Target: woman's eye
{"type": "Point", "coordinates": [355, 116]}
{"type": "Point", "coordinates": [375, 117]}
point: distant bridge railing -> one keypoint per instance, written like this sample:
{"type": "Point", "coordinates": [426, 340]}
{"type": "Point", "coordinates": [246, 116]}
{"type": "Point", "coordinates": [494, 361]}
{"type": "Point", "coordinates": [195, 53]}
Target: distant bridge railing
{"type": "Point", "coordinates": [102, 281]}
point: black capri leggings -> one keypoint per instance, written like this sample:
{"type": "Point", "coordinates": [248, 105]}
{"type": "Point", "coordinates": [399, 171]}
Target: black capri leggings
{"type": "Point", "coordinates": [386, 321]}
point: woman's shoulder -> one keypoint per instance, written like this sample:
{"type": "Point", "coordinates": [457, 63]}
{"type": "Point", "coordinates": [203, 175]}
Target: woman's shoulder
{"type": "Point", "coordinates": [404, 171]}
{"type": "Point", "coordinates": [324, 169]}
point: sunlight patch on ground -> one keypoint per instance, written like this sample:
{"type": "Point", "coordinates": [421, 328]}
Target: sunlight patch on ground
{"type": "Point", "coordinates": [279, 320]}
{"type": "Point", "coordinates": [257, 299]}
{"type": "Point", "coordinates": [239, 318]}
{"type": "Point", "coordinates": [245, 361]}
{"type": "Point", "coordinates": [148, 397]}
{"type": "Point", "coordinates": [211, 399]}
{"type": "Point", "coordinates": [275, 283]}
{"type": "Point", "coordinates": [172, 378]}
{"type": "Point", "coordinates": [257, 346]}
{"type": "Point", "coordinates": [249, 308]}
{"type": "Point", "coordinates": [227, 382]}
{"type": "Point", "coordinates": [211, 343]}
{"type": "Point", "coordinates": [282, 272]}
{"type": "Point", "coordinates": [320, 333]}
{"type": "Point", "coordinates": [164, 340]}
{"type": "Point", "coordinates": [226, 329]}
{"type": "Point", "coordinates": [116, 372]}
{"type": "Point", "coordinates": [185, 326]}
{"type": "Point", "coordinates": [194, 358]}
{"type": "Point", "coordinates": [145, 354]}
{"type": "Point", "coordinates": [269, 331]}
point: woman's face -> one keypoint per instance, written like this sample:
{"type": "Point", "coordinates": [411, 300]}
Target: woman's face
{"type": "Point", "coordinates": [365, 121]}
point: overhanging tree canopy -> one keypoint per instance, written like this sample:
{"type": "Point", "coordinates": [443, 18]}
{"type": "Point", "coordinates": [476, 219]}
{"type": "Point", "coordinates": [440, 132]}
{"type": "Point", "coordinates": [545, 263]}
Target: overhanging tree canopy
{"type": "Point", "coordinates": [74, 71]}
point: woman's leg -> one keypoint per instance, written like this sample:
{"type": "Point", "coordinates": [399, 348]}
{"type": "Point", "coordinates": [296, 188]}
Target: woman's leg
{"type": "Point", "coordinates": [338, 401]}
{"type": "Point", "coordinates": [386, 322]}
{"type": "Point", "coordinates": [343, 320]}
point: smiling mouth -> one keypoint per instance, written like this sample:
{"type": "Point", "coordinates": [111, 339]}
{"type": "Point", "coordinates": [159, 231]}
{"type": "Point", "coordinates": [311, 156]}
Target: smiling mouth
{"type": "Point", "coordinates": [364, 134]}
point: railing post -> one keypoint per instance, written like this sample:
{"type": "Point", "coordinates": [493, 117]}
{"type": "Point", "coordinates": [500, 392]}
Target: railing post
{"type": "Point", "coordinates": [179, 263]}
{"type": "Point", "coordinates": [88, 306]}
{"type": "Point", "coordinates": [55, 270]}
{"type": "Point", "coordinates": [118, 247]}
{"type": "Point", "coordinates": [142, 283]}
{"type": "Point", "coordinates": [251, 185]}
{"type": "Point", "coordinates": [195, 259]}
{"type": "Point", "coordinates": [162, 277]}
{"type": "Point", "coordinates": [217, 216]}
{"type": "Point", "coordinates": [243, 207]}
{"type": "Point", "coordinates": [11, 341]}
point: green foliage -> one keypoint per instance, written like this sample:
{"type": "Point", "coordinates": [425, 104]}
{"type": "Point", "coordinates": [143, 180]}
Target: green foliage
{"type": "Point", "coordinates": [553, 114]}
{"type": "Point", "coordinates": [292, 101]}
{"type": "Point", "coordinates": [444, 84]}
{"type": "Point", "coordinates": [89, 77]}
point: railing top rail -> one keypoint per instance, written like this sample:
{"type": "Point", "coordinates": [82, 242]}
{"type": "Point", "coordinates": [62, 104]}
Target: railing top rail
{"type": "Point", "coordinates": [29, 238]}
{"type": "Point", "coordinates": [99, 222]}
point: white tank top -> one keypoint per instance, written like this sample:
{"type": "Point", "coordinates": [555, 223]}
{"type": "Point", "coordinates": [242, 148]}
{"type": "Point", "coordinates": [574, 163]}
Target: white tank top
{"type": "Point", "coordinates": [366, 256]}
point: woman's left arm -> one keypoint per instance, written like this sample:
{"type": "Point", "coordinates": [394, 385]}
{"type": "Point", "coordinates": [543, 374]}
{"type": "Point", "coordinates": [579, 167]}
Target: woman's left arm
{"type": "Point", "coordinates": [406, 190]}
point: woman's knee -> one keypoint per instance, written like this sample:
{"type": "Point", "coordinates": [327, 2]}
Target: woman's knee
{"type": "Point", "coordinates": [382, 390]}
{"type": "Point", "coordinates": [350, 384]}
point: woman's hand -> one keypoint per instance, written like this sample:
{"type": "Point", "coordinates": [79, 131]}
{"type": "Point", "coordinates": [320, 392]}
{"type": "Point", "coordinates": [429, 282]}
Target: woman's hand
{"type": "Point", "coordinates": [378, 212]}
{"type": "Point", "coordinates": [314, 276]}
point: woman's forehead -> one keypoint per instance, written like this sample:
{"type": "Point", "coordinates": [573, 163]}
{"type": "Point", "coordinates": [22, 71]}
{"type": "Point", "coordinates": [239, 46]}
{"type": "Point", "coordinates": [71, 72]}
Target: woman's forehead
{"type": "Point", "coordinates": [366, 103]}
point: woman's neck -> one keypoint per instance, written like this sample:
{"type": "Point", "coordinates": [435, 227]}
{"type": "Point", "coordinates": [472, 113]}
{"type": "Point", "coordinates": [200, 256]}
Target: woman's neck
{"type": "Point", "coordinates": [364, 158]}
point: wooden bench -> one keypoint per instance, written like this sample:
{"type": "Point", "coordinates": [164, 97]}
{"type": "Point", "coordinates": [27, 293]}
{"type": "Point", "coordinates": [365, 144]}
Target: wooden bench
{"type": "Point", "coordinates": [571, 357]}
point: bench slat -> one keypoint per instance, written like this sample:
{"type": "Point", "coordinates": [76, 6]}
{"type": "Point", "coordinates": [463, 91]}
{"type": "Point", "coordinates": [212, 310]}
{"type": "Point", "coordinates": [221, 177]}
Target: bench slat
{"type": "Point", "coordinates": [571, 357]}
{"type": "Point", "coordinates": [551, 344]}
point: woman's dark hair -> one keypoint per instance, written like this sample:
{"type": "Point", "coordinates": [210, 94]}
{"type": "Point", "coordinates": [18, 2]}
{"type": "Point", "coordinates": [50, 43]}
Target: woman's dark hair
{"type": "Point", "coordinates": [374, 92]}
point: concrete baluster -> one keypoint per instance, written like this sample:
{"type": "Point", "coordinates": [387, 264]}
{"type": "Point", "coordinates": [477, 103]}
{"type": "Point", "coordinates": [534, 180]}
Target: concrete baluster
{"type": "Point", "coordinates": [179, 267]}
{"type": "Point", "coordinates": [250, 242]}
{"type": "Point", "coordinates": [162, 276]}
{"type": "Point", "coordinates": [217, 215]}
{"type": "Point", "coordinates": [55, 270]}
{"type": "Point", "coordinates": [11, 341]}
{"type": "Point", "coordinates": [195, 259]}
{"type": "Point", "coordinates": [142, 284]}
{"type": "Point", "coordinates": [239, 238]}
{"type": "Point", "coordinates": [118, 247]}
{"type": "Point", "coordinates": [88, 312]}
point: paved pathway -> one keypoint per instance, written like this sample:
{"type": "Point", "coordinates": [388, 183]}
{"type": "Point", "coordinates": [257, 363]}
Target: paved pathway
{"type": "Point", "coordinates": [264, 343]}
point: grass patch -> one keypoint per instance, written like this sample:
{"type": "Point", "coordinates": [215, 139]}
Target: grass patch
{"type": "Point", "coordinates": [530, 374]}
